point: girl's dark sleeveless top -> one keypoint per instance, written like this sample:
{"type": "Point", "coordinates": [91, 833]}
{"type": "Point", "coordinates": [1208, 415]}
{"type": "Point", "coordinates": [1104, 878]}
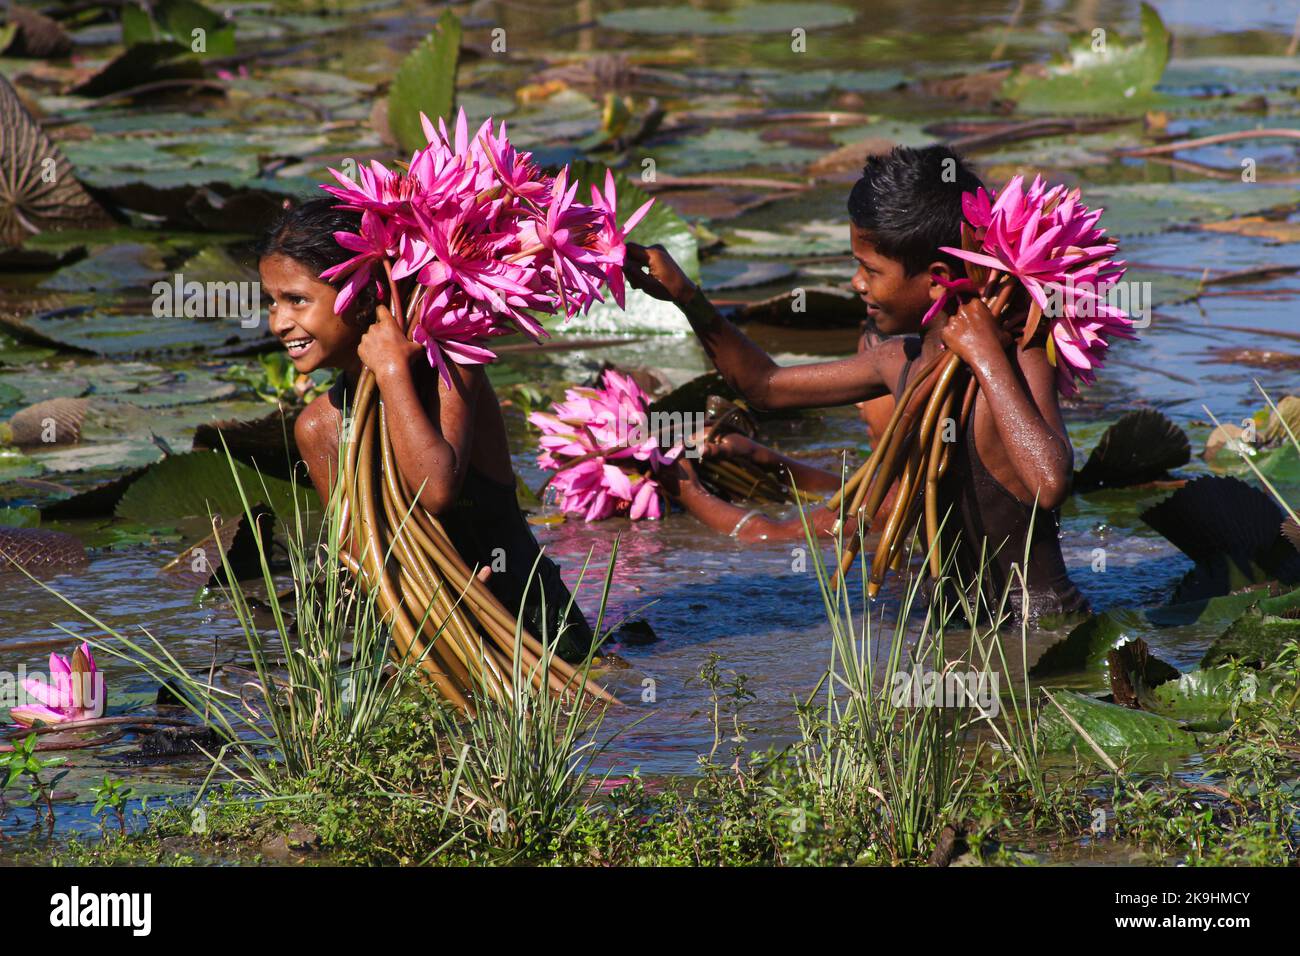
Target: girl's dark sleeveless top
{"type": "Point", "coordinates": [488, 530]}
{"type": "Point", "coordinates": [987, 523]}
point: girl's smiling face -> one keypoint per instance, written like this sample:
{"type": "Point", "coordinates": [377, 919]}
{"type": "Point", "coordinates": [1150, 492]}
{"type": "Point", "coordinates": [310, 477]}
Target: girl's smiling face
{"type": "Point", "coordinates": [301, 314]}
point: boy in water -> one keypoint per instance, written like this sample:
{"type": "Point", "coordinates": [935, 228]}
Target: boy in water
{"type": "Point", "coordinates": [1015, 454]}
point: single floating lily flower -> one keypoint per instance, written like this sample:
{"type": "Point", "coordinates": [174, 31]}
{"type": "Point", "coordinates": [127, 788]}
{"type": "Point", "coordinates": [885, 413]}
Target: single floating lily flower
{"type": "Point", "coordinates": [75, 691]}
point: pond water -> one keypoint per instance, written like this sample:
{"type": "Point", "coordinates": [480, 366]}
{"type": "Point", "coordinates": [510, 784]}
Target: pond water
{"type": "Point", "coordinates": [306, 101]}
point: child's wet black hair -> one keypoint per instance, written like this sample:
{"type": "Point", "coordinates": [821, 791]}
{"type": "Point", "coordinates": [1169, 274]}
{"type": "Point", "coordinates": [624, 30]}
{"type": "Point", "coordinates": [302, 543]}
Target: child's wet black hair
{"type": "Point", "coordinates": [304, 231]}
{"type": "Point", "coordinates": [910, 202]}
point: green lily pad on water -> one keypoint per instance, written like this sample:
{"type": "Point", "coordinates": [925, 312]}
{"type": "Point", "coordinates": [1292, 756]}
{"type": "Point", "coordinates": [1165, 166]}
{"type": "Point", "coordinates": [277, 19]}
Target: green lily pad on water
{"type": "Point", "coordinates": [810, 82]}
{"type": "Point", "coordinates": [1085, 647]}
{"type": "Point", "coordinates": [425, 82]}
{"type": "Point", "coordinates": [90, 456]}
{"type": "Point", "coordinates": [1236, 74]}
{"type": "Point", "coordinates": [753, 18]}
{"type": "Point", "coordinates": [1114, 729]}
{"type": "Point", "coordinates": [24, 516]}
{"type": "Point", "coordinates": [110, 334]}
{"type": "Point", "coordinates": [196, 484]}
{"type": "Point", "coordinates": [661, 225]}
{"type": "Point", "coordinates": [14, 353]}
{"type": "Point", "coordinates": [1206, 696]}
{"type": "Point", "coordinates": [1101, 73]}
{"type": "Point", "coordinates": [724, 274]}
{"type": "Point", "coordinates": [722, 149]}
{"type": "Point", "coordinates": [14, 464]}
{"type": "Point", "coordinates": [1255, 638]}
{"type": "Point", "coordinates": [807, 239]}
{"type": "Point", "coordinates": [125, 266]}
{"type": "Point", "coordinates": [184, 21]}
{"type": "Point", "coordinates": [1145, 208]}
{"type": "Point", "coordinates": [9, 396]}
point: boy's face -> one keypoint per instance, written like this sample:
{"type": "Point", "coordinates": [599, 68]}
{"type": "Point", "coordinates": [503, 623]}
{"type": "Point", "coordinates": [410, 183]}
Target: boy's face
{"type": "Point", "coordinates": [302, 316]}
{"type": "Point", "coordinates": [896, 302]}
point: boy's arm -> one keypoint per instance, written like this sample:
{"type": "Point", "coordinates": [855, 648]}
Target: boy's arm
{"type": "Point", "coordinates": [684, 487]}
{"type": "Point", "coordinates": [736, 447]}
{"type": "Point", "coordinates": [1029, 425]}
{"type": "Point", "coordinates": [745, 366]}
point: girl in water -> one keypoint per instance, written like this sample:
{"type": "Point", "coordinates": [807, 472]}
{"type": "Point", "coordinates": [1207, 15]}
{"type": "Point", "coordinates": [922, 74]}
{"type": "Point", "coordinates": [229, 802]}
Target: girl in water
{"type": "Point", "coordinates": [450, 442]}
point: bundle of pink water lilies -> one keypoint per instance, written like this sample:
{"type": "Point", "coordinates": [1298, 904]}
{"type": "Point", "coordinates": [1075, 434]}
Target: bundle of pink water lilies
{"type": "Point", "coordinates": [598, 443]}
{"type": "Point", "coordinates": [492, 241]}
{"type": "Point", "coordinates": [1050, 243]}
{"type": "Point", "coordinates": [469, 242]}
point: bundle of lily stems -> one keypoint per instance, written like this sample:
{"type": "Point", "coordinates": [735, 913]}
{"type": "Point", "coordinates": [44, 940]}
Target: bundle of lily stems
{"type": "Point", "coordinates": [486, 240]}
{"type": "Point", "coordinates": [1041, 240]}
{"type": "Point", "coordinates": [741, 479]}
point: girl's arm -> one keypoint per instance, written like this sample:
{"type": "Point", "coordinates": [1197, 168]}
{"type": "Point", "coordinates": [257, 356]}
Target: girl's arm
{"type": "Point", "coordinates": [745, 366]}
{"type": "Point", "coordinates": [431, 434]}
{"type": "Point", "coordinates": [1028, 423]}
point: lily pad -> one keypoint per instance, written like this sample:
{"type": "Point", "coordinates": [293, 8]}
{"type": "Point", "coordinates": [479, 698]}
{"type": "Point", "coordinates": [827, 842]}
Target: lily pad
{"type": "Point", "coordinates": [37, 549]}
{"type": "Point", "coordinates": [425, 82]}
{"type": "Point", "coordinates": [38, 190]}
{"type": "Point", "coordinates": [750, 18]}
{"type": "Point", "coordinates": [113, 334]}
{"type": "Point", "coordinates": [660, 225]}
{"type": "Point", "coordinates": [724, 149]}
{"type": "Point", "coordinates": [1256, 638]}
{"type": "Point", "coordinates": [1142, 446]}
{"type": "Point", "coordinates": [810, 82]}
{"type": "Point", "coordinates": [126, 265]}
{"type": "Point", "coordinates": [198, 484]}
{"type": "Point", "coordinates": [1206, 695]}
{"type": "Point", "coordinates": [24, 516]}
{"type": "Point", "coordinates": [1086, 646]}
{"type": "Point", "coordinates": [1101, 73]}
{"type": "Point", "coordinates": [185, 22]}
{"type": "Point", "coordinates": [1137, 209]}
{"type": "Point", "coordinates": [820, 237]}
{"type": "Point", "coordinates": [1114, 729]}
{"type": "Point", "coordinates": [722, 274]}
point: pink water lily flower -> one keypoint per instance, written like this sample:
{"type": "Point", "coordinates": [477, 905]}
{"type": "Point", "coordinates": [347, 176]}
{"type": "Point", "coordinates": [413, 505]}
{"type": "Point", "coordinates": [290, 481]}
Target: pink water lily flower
{"type": "Point", "coordinates": [74, 691]}
{"type": "Point", "coordinates": [372, 246]}
{"type": "Point", "coordinates": [610, 241]}
{"type": "Point", "coordinates": [599, 443]}
{"type": "Point", "coordinates": [492, 243]}
{"type": "Point", "coordinates": [1053, 245]}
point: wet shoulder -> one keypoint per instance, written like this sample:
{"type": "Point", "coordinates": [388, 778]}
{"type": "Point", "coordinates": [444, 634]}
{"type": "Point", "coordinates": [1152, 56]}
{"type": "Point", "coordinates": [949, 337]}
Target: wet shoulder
{"type": "Point", "coordinates": [893, 353]}
{"type": "Point", "coordinates": [317, 429]}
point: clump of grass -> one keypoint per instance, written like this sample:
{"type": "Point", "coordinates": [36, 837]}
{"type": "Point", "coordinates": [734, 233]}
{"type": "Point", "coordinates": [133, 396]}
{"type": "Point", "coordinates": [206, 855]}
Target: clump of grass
{"type": "Point", "coordinates": [323, 674]}
{"type": "Point", "coordinates": [328, 694]}
{"type": "Point", "coordinates": [526, 762]}
{"type": "Point", "coordinates": [897, 769]}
